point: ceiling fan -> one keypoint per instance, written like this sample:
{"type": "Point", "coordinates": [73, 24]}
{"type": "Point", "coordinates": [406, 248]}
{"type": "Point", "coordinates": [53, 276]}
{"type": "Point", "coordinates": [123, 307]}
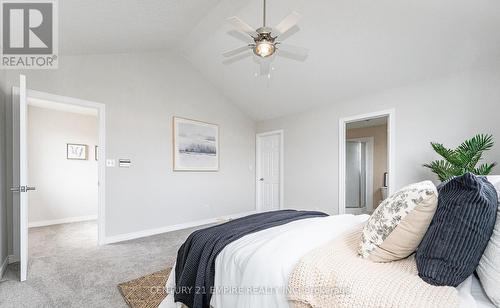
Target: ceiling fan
{"type": "Point", "coordinates": [266, 41]}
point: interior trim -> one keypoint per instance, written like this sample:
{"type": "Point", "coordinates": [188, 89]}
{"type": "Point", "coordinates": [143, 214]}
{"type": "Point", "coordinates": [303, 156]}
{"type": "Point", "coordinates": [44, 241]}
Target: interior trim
{"type": "Point", "coordinates": [391, 151]}
{"type": "Point", "coordinates": [43, 223]}
{"type": "Point", "coordinates": [150, 232]}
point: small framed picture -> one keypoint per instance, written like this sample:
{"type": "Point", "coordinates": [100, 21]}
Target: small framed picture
{"type": "Point", "coordinates": [96, 152]}
{"type": "Point", "coordinates": [76, 151]}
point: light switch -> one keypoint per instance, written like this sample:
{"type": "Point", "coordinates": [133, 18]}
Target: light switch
{"type": "Point", "coordinates": [124, 163]}
{"type": "Point", "coordinates": [110, 163]}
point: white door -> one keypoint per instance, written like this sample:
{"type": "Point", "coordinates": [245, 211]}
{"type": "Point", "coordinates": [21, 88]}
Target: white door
{"type": "Point", "coordinates": [20, 186]}
{"type": "Point", "coordinates": [269, 172]}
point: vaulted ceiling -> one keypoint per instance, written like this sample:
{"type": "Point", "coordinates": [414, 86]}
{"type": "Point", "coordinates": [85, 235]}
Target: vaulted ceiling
{"type": "Point", "coordinates": [127, 26]}
{"type": "Point", "coordinates": [356, 46]}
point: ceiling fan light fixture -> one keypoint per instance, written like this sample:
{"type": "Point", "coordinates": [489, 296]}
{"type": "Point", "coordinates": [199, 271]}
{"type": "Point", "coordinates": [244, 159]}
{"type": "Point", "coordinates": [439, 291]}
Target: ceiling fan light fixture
{"type": "Point", "coordinates": [267, 41]}
{"type": "Point", "coordinates": [264, 49]}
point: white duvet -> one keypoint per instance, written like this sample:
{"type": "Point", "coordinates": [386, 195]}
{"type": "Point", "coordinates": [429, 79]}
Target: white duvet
{"type": "Point", "coordinates": [265, 259]}
{"type": "Point", "coordinates": [253, 271]}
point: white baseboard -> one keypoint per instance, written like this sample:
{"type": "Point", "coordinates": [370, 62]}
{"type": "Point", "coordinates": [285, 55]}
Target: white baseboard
{"type": "Point", "coordinates": [61, 221]}
{"type": "Point", "coordinates": [3, 267]}
{"type": "Point", "coordinates": [187, 225]}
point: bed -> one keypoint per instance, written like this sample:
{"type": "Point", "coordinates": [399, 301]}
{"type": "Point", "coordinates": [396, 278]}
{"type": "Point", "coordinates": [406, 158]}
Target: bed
{"type": "Point", "coordinates": [254, 270]}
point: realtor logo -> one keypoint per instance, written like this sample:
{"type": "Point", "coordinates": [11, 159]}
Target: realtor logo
{"type": "Point", "coordinates": [29, 34]}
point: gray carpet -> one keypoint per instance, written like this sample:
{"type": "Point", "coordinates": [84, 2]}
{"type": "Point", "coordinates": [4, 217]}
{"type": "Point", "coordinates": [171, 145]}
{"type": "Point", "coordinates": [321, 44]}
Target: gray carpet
{"type": "Point", "coordinates": [68, 269]}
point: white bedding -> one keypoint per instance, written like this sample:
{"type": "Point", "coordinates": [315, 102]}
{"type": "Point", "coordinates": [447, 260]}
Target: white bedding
{"type": "Point", "coordinates": [253, 271]}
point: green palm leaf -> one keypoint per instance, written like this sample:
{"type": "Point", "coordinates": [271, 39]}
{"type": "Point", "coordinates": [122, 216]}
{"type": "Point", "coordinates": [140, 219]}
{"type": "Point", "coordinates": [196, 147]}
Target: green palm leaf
{"type": "Point", "coordinates": [443, 169]}
{"type": "Point", "coordinates": [478, 143]}
{"type": "Point", "coordinates": [484, 169]}
{"type": "Point", "coordinates": [448, 154]}
{"type": "Point", "coordinates": [472, 150]}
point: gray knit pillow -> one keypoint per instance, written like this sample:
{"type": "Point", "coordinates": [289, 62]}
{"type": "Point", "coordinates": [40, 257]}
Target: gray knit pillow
{"type": "Point", "coordinates": [459, 232]}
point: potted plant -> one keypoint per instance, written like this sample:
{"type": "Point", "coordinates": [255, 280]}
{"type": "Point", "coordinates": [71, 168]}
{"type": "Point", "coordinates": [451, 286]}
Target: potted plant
{"type": "Point", "coordinates": [465, 158]}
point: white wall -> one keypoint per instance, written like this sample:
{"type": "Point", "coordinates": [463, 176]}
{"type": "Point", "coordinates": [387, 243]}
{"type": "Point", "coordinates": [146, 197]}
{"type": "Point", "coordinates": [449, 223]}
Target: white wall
{"type": "Point", "coordinates": [448, 110]}
{"type": "Point", "coordinates": [65, 189]}
{"type": "Point", "coordinates": [142, 93]}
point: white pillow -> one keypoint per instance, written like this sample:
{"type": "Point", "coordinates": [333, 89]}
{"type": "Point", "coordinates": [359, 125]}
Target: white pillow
{"type": "Point", "coordinates": [398, 225]}
{"type": "Point", "coordinates": [488, 269]}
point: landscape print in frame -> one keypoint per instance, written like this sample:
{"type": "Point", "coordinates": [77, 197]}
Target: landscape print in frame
{"type": "Point", "coordinates": [196, 145]}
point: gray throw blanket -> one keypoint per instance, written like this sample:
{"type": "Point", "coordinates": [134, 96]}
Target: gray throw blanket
{"type": "Point", "coordinates": [195, 267]}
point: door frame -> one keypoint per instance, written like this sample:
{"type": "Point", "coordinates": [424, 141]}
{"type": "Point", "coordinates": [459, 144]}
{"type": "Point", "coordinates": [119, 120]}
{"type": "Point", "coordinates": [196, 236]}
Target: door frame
{"type": "Point", "coordinates": [258, 192]}
{"type": "Point", "coordinates": [370, 141]}
{"type": "Point", "coordinates": [101, 164]}
{"type": "Point", "coordinates": [391, 145]}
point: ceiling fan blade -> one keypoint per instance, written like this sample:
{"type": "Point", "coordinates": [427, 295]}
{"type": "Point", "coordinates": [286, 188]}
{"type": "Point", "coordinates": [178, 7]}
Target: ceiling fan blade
{"type": "Point", "coordinates": [288, 23]}
{"type": "Point", "coordinates": [237, 58]}
{"type": "Point", "coordinates": [236, 51]}
{"type": "Point", "coordinates": [242, 26]}
{"type": "Point", "coordinates": [287, 34]}
{"type": "Point", "coordinates": [293, 52]}
{"type": "Point", "coordinates": [241, 36]}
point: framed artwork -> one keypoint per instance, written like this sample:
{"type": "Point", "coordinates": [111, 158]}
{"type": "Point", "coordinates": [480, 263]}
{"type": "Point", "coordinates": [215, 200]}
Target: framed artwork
{"type": "Point", "coordinates": [76, 151]}
{"type": "Point", "coordinates": [96, 152]}
{"type": "Point", "coordinates": [196, 145]}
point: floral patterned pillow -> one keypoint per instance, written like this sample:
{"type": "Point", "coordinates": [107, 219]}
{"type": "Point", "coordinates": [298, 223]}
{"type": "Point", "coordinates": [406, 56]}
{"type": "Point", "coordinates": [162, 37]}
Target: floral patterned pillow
{"type": "Point", "coordinates": [398, 225]}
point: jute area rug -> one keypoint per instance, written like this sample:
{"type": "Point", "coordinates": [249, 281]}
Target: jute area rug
{"type": "Point", "coordinates": [147, 291]}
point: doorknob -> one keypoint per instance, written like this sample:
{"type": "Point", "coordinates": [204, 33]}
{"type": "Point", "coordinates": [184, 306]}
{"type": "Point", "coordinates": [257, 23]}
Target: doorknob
{"type": "Point", "coordinates": [261, 179]}
{"type": "Point", "coordinates": [28, 188]}
{"type": "Point", "coordinates": [15, 189]}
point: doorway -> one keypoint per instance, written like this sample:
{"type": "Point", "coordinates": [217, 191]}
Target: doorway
{"type": "Point", "coordinates": [366, 148]}
{"type": "Point", "coordinates": [62, 160]}
{"type": "Point", "coordinates": [21, 186]}
{"type": "Point", "coordinates": [269, 171]}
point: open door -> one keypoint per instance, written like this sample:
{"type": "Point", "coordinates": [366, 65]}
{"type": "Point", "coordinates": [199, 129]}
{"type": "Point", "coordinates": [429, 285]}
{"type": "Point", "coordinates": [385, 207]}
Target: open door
{"type": "Point", "coordinates": [20, 187]}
